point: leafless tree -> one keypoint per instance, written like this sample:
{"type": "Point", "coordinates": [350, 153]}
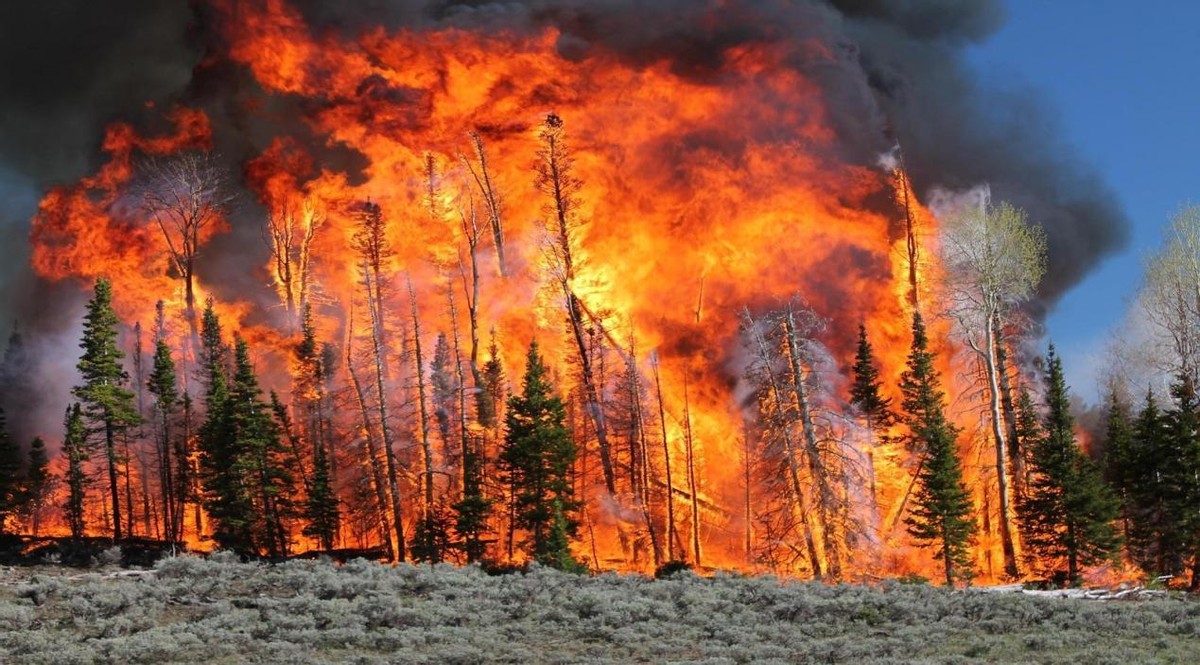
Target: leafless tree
{"type": "Point", "coordinates": [289, 235]}
{"type": "Point", "coordinates": [491, 197]}
{"type": "Point", "coordinates": [186, 193]}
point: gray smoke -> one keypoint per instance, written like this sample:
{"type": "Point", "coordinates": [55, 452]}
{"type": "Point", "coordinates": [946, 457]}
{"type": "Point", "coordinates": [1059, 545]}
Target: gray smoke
{"type": "Point", "coordinates": [893, 72]}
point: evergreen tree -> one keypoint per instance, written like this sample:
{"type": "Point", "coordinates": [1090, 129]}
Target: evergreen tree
{"type": "Point", "coordinates": [39, 482]}
{"type": "Point", "coordinates": [173, 467]}
{"type": "Point", "coordinates": [433, 535]}
{"type": "Point", "coordinates": [1067, 513]}
{"type": "Point", "coordinates": [1153, 541]}
{"type": "Point", "coordinates": [1179, 476]}
{"type": "Point", "coordinates": [109, 406]}
{"type": "Point", "coordinates": [1028, 429]}
{"type": "Point", "coordinates": [321, 507]}
{"type": "Point", "coordinates": [10, 475]}
{"type": "Point", "coordinates": [490, 395]}
{"type": "Point", "coordinates": [473, 510]}
{"type": "Point", "coordinates": [224, 492]}
{"type": "Point", "coordinates": [941, 512]}
{"type": "Point", "coordinates": [16, 373]}
{"type": "Point", "coordinates": [444, 392]}
{"type": "Point", "coordinates": [1119, 459]}
{"type": "Point", "coordinates": [260, 460]}
{"type": "Point", "coordinates": [865, 391]}
{"type": "Point", "coordinates": [75, 449]}
{"type": "Point", "coordinates": [537, 457]}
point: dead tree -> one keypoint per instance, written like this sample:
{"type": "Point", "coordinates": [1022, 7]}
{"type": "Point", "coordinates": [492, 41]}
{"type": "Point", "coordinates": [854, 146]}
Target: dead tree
{"type": "Point", "coordinates": [423, 417]}
{"type": "Point", "coordinates": [185, 194]}
{"type": "Point", "coordinates": [555, 181]}
{"type": "Point", "coordinates": [375, 466]}
{"type": "Point", "coordinates": [672, 534]}
{"type": "Point", "coordinates": [779, 416]}
{"type": "Point", "coordinates": [692, 480]}
{"type": "Point", "coordinates": [289, 236]}
{"type": "Point", "coordinates": [487, 189]}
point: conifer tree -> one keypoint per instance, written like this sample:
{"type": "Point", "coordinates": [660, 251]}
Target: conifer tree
{"type": "Point", "coordinates": [16, 370]}
{"type": "Point", "coordinates": [172, 461]}
{"type": "Point", "coordinates": [1153, 541]}
{"type": "Point", "coordinates": [1067, 514]}
{"type": "Point", "coordinates": [261, 459]}
{"type": "Point", "coordinates": [865, 391]}
{"type": "Point", "coordinates": [490, 396]}
{"type": "Point", "coordinates": [109, 406]}
{"type": "Point", "coordinates": [75, 449]}
{"type": "Point", "coordinates": [1028, 430]}
{"type": "Point", "coordinates": [537, 457]}
{"type": "Point", "coordinates": [941, 515]}
{"type": "Point", "coordinates": [10, 475]}
{"type": "Point", "coordinates": [321, 507]}
{"type": "Point", "coordinates": [38, 484]}
{"type": "Point", "coordinates": [1119, 459]}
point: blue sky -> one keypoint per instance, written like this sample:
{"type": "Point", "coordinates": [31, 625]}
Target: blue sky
{"type": "Point", "coordinates": [1119, 75]}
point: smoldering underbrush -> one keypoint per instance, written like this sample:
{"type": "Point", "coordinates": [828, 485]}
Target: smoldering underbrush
{"type": "Point", "coordinates": [218, 610]}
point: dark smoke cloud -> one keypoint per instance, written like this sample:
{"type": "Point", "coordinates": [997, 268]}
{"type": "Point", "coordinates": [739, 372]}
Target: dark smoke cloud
{"type": "Point", "coordinates": [893, 71]}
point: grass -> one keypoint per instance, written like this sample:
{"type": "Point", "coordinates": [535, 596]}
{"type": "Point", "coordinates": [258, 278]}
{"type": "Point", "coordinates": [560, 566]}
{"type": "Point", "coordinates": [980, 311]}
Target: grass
{"type": "Point", "coordinates": [217, 610]}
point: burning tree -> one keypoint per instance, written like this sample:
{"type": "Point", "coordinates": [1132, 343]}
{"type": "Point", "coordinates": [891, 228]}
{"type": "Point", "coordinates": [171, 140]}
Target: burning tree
{"type": "Point", "coordinates": [289, 235]}
{"type": "Point", "coordinates": [186, 194]}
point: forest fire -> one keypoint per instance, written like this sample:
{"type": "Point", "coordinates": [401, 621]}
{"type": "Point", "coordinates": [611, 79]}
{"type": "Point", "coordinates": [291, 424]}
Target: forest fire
{"type": "Point", "coordinates": [674, 239]}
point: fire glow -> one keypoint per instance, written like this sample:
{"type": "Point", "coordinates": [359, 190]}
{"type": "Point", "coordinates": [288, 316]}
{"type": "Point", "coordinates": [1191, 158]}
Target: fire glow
{"type": "Point", "coordinates": [698, 197]}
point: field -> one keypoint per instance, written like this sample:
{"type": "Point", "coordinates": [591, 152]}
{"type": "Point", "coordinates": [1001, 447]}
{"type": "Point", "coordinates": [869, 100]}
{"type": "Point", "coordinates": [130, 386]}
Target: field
{"type": "Point", "coordinates": [191, 610]}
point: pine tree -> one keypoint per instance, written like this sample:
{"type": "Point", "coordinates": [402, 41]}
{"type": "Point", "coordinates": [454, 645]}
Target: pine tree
{"type": "Point", "coordinates": [941, 514]}
{"type": "Point", "coordinates": [75, 449]}
{"type": "Point", "coordinates": [321, 507]}
{"type": "Point", "coordinates": [172, 464]}
{"type": "Point", "coordinates": [109, 406]}
{"type": "Point", "coordinates": [537, 457]}
{"type": "Point", "coordinates": [261, 459]}
{"type": "Point", "coordinates": [1119, 460]}
{"type": "Point", "coordinates": [1067, 514]}
{"type": "Point", "coordinates": [10, 475]}
{"type": "Point", "coordinates": [16, 370]}
{"type": "Point", "coordinates": [491, 394]}
{"type": "Point", "coordinates": [1028, 429]}
{"type": "Point", "coordinates": [444, 394]}
{"type": "Point", "coordinates": [1152, 538]}
{"type": "Point", "coordinates": [38, 483]}
{"type": "Point", "coordinates": [865, 391]}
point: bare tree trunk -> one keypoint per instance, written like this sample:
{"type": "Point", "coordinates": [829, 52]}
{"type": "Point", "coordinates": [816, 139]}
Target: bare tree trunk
{"type": "Point", "coordinates": [799, 505]}
{"type": "Point", "coordinates": [672, 535]}
{"type": "Point", "coordinates": [691, 472]}
{"type": "Point", "coordinates": [826, 499]}
{"type": "Point", "coordinates": [483, 180]}
{"type": "Point", "coordinates": [1016, 452]}
{"type": "Point", "coordinates": [1006, 537]}
{"type": "Point", "coordinates": [377, 476]}
{"type": "Point", "coordinates": [378, 353]}
{"type": "Point", "coordinates": [423, 414]}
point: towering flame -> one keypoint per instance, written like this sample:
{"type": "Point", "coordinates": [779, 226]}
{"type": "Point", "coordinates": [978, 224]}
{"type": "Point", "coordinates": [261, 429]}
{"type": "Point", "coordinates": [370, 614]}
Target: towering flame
{"type": "Point", "coordinates": [697, 197]}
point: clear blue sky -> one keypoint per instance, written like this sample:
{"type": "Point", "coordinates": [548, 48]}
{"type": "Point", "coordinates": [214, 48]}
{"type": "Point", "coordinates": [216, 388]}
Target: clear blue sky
{"type": "Point", "coordinates": [1120, 76]}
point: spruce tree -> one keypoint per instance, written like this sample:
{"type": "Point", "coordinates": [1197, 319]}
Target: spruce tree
{"type": "Point", "coordinates": [10, 475]}
{"type": "Point", "coordinates": [39, 482]}
{"type": "Point", "coordinates": [109, 406]}
{"type": "Point", "coordinates": [321, 512]}
{"type": "Point", "coordinates": [941, 514]}
{"type": "Point", "coordinates": [490, 395]}
{"type": "Point", "coordinates": [1119, 459]}
{"type": "Point", "coordinates": [537, 457]}
{"type": "Point", "coordinates": [865, 390]}
{"type": "Point", "coordinates": [1028, 429]}
{"type": "Point", "coordinates": [1153, 541]}
{"type": "Point", "coordinates": [75, 449]}
{"type": "Point", "coordinates": [1067, 513]}
{"type": "Point", "coordinates": [260, 459]}
{"type": "Point", "coordinates": [162, 383]}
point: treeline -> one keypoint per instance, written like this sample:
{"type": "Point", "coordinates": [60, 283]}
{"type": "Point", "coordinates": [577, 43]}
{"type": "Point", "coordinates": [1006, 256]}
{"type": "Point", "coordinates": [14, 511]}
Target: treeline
{"type": "Point", "coordinates": [427, 454]}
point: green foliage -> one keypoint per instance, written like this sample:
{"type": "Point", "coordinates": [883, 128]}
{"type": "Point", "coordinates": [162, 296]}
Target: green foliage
{"type": "Point", "coordinates": [865, 393]}
{"type": "Point", "coordinates": [474, 509]}
{"type": "Point", "coordinates": [10, 475]}
{"type": "Point", "coordinates": [75, 449]}
{"type": "Point", "coordinates": [537, 459]}
{"type": "Point", "coordinates": [941, 514]}
{"type": "Point", "coordinates": [1067, 512]}
{"type": "Point", "coordinates": [491, 394]}
{"type": "Point", "coordinates": [321, 512]}
{"type": "Point", "coordinates": [108, 405]}
{"type": "Point", "coordinates": [433, 537]}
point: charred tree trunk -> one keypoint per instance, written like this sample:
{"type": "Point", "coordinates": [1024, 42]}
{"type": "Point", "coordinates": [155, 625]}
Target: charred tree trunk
{"type": "Point", "coordinates": [693, 485]}
{"type": "Point", "coordinates": [423, 416]}
{"type": "Point", "coordinates": [672, 534]}
{"type": "Point", "coordinates": [378, 483]}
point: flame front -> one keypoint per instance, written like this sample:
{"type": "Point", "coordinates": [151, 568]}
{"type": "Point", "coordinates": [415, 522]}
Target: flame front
{"type": "Point", "coordinates": [699, 196]}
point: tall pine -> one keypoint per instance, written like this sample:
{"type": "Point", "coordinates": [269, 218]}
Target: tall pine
{"type": "Point", "coordinates": [38, 484]}
{"type": "Point", "coordinates": [941, 514]}
{"type": "Point", "coordinates": [537, 457]}
{"type": "Point", "coordinates": [10, 475]}
{"type": "Point", "coordinates": [108, 404]}
{"type": "Point", "coordinates": [1067, 514]}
